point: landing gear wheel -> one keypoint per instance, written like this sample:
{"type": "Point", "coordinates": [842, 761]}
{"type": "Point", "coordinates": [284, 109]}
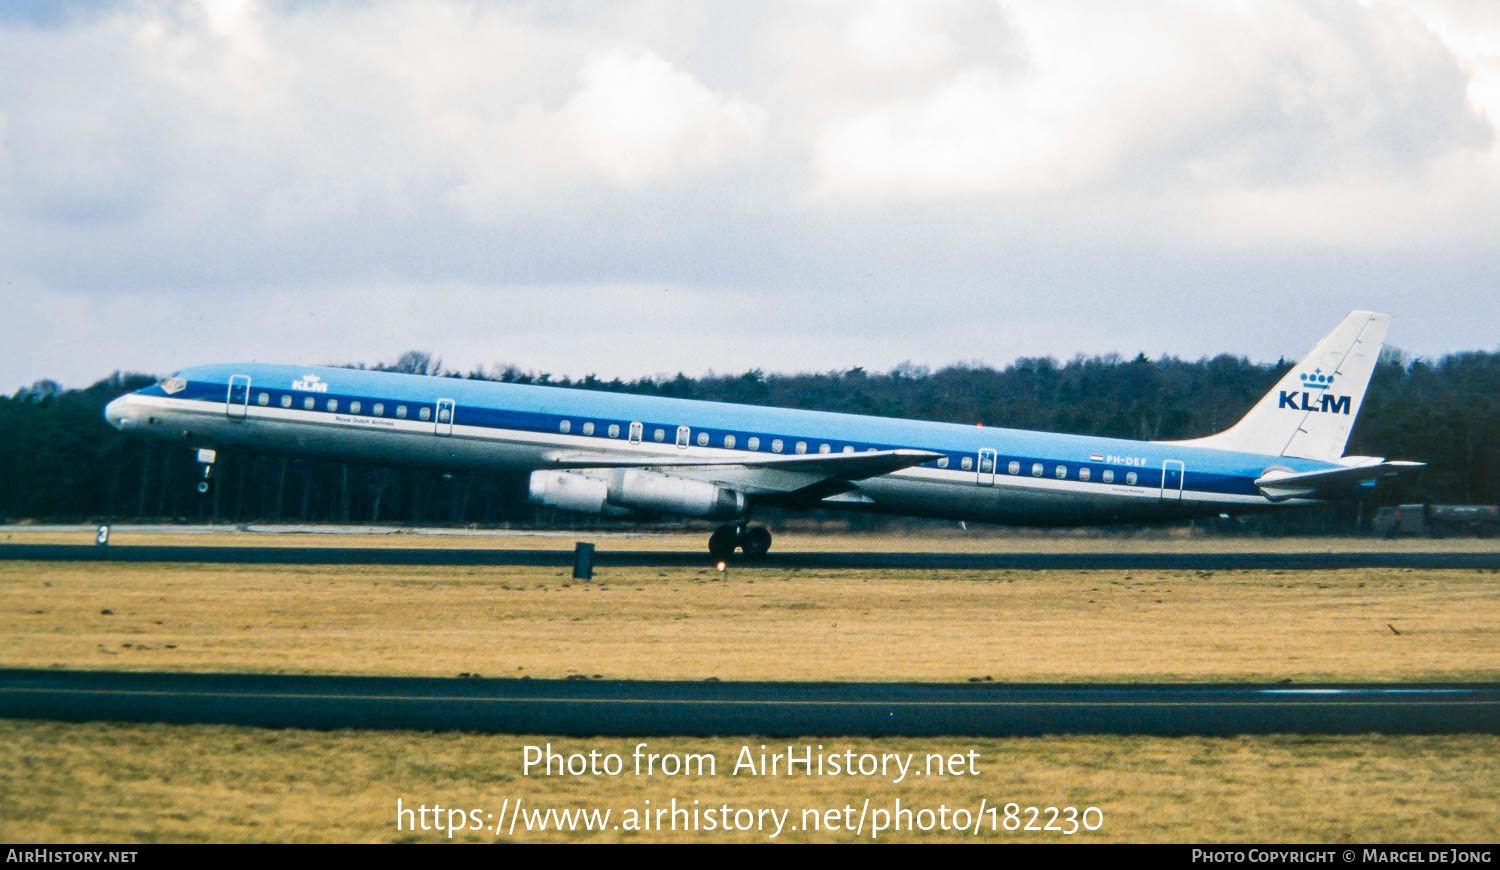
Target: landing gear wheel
{"type": "Point", "coordinates": [206, 459]}
{"type": "Point", "coordinates": [755, 541]}
{"type": "Point", "coordinates": [722, 542]}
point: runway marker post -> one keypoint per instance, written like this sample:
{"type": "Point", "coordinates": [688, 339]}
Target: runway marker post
{"type": "Point", "coordinates": [583, 561]}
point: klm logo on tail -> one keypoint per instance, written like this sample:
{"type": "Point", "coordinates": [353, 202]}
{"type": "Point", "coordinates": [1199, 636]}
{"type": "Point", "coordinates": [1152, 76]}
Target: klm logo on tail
{"type": "Point", "coordinates": [1325, 403]}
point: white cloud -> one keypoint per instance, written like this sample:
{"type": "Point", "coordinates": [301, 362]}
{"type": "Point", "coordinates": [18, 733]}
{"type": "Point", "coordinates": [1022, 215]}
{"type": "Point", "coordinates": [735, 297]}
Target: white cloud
{"type": "Point", "coordinates": [191, 115]}
{"type": "Point", "coordinates": [639, 121]}
{"type": "Point", "coordinates": [894, 159]}
{"type": "Point", "coordinates": [1199, 123]}
{"type": "Point", "coordinates": [635, 123]}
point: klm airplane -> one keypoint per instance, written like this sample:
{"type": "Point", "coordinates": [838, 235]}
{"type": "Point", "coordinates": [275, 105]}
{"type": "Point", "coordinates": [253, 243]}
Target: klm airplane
{"type": "Point", "coordinates": [621, 455]}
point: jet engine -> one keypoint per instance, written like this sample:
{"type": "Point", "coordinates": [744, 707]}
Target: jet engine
{"type": "Point", "coordinates": [621, 491]}
{"type": "Point", "coordinates": [568, 491]}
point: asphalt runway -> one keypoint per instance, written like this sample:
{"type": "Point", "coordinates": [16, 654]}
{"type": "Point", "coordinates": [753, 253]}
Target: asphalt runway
{"type": "Point", "coordinates": [1265, 560]}
{"type": "Point", "coordinates": [711, 708]}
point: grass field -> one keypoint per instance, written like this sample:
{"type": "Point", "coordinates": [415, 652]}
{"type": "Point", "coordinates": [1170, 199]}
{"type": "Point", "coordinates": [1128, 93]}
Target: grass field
{"type": "Point", "coordinates": [153, 783]}
{"type": "Point", "coordinates": [99, 782]}
{"type": "Point", "coordinates": [760, 624]}
{"type": "Point", "coordinates": [980, 539]}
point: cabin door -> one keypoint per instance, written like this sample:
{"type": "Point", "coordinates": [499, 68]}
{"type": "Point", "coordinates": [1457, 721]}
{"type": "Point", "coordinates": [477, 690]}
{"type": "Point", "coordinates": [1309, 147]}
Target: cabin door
{"type": "Point", "coordinates": [1172, 473]}
{"type": "Point", "coordinates": [239, 397]}
{"type": "Point", "coordinates": [987, 458]}
{"type": "Point", "coordinates": [443, 424]}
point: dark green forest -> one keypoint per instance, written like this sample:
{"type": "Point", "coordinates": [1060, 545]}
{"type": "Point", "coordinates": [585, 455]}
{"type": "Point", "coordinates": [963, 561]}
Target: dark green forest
{"type": "Point", "coordinates": [59, 461]}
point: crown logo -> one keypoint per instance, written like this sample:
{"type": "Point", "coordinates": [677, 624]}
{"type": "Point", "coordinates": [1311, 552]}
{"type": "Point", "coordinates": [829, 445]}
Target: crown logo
{"type": "Point", "coordinates": [1317, 380]}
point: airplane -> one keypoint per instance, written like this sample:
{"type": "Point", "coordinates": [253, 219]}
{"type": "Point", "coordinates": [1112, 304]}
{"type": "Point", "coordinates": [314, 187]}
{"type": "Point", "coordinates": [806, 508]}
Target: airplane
{"type": "Point", "coordinates": [616, 455]}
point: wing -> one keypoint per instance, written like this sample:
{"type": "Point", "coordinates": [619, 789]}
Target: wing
{"type": "Point", "coordinates": [803, 478]}
{"type": "Point", "coordinates": [1282, 485]}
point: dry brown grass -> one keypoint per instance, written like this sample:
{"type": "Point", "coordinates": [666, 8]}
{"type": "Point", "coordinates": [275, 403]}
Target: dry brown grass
{"type": "Point", "coordinates": [761, 624]}
{"type": "Point", "coordinates": [99, 782]}
{"type": "Point", "coordinates": [135, 783]}
{"type": "Point", "coordinates": [979, 539]}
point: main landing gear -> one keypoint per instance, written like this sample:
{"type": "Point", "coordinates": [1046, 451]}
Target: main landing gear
{"type": "Point", "coordinates": [754, 540]}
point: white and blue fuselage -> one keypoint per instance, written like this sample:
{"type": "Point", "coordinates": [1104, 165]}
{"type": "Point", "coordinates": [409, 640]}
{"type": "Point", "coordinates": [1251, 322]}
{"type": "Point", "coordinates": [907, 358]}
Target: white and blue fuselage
{"type": "Point", "coordinates": [619, 454]}
{"type": "Point", "coordinates": [979, 473]}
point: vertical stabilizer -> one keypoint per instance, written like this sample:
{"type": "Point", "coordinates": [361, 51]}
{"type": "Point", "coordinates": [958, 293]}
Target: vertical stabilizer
{"type": "Point", "coordinates": [1311, 411]}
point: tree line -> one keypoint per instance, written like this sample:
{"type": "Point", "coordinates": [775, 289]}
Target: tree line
{"type": "Point", "coordinates": [59, 460]}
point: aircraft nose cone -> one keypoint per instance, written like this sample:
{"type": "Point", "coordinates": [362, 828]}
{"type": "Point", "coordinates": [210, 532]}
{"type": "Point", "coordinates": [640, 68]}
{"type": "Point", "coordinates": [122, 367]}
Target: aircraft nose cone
{"type": "Point", "coordinates": [117, 413]}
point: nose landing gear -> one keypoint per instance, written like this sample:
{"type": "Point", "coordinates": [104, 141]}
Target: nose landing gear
{"type": "Point", "coordinates": [753, 540]}
{"type": "Point", "coordinates": [206, 458]}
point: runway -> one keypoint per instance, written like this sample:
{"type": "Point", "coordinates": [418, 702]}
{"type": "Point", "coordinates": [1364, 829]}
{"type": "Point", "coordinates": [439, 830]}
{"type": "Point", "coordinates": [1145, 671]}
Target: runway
{"type": "Point", "coordinates": [1270, 560]}
{"type": "Point", "coordinates": [710, 708]}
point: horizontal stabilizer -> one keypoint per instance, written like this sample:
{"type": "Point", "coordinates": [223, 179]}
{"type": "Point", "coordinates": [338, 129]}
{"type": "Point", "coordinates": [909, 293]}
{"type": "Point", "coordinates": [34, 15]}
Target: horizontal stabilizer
{"type": "Point", "coordinates": [1281, 485]}
{"type": "Point", "coordinates": [844, 466]}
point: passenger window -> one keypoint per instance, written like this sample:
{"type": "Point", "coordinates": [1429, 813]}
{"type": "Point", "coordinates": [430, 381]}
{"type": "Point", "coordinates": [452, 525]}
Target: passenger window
{"type": "Point", "coordinates": [588, 428]}
{"type": "Point", "coordinates": [1109, 475]}
{"type": "Point", "coordinates": [1036, 469]}
{"type": "Point", "coordinates": [1083, 474]}
{"type": "Point", "coordinates": [354, 407]}
{"type": "Point", "coordinates": [753, 443]}
{"type": "Point", "coordinates": [943, 462]}
{"type": "Point", "coordinates": [565, 426]}
{"type": "Point", "coordinates": [286, 401]}
{"type": "Point", "coordinates": [801, 447]}
{"type": "Point", "coordinates": [823, 448]}
{"type": "Point", "coordinates": [776, 446]}
{"type": "Point", "coordinates": [263, 399]}
{"type": "Point", "coordinates": [401, 411]}
{"type": "Point", "coordinates": [333, 405]}
{"type": "Point", "coordinates": [1130, 478]}
{"type": "Point", "coordinates": [424, 412]}
{"type": "Point", "coordinates": [443, 414]}
{"type": "Point", "coordinates": [729, 441]}
{"type": "Point", "coordinates": [848, 448]}
{"type": "Point", "coordinates": [985, 464]}
{"type": "Point", "coordinates": [379, 409]}
{"type": "Point", "coordinates": [659, 435]}
{"type": "Point", "coordinates": [968, 463]}
{"type": "Point", "coordinates": [307, 403]}
{"type": "Point", "coordinates": [702, 439]}
{"type": "Point", "coordinates": [614, 430]}
{"type": "Point", "coordinates": [1062, 472]}
{"type": "Point", "coordinates": [1014, 467]}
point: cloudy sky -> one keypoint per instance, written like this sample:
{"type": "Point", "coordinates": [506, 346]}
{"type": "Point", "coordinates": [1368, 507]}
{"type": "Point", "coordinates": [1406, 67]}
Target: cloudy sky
{"type": "Point", "coordinates": [635, 187]}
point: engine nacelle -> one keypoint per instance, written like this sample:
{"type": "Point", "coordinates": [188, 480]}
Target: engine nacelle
{"type": "Point", "coordinates": [621, 491]}
{"type": "Point", "coordinates": [572, 492]}
{"type": "Point", "coordinates": [654, 492]}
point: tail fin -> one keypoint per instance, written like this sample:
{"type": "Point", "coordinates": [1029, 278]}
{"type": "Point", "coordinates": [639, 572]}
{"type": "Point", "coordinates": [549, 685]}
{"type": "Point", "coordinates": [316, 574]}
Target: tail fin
{"type": "Point", "coordinates": [1310, 412]}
